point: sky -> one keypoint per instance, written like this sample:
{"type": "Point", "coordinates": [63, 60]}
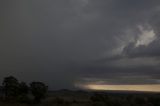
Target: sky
{"type": "Point", "coordinates": [71, 44]}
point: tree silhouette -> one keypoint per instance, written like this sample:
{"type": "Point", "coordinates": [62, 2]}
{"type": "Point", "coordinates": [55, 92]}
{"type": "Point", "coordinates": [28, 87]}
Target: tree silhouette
{"type": "Point", "coordinates": [38, 90]}
{"type": "Point", "coordinates": [23, 91]}
{"type": "Point", "coordinates": [10, 86]}
{"type": "Point", "coordinates": [23, 88]}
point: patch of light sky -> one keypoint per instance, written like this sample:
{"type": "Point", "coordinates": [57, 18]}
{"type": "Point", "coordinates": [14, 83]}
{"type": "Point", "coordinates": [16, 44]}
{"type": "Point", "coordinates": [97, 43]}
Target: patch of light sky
{"type": "Point", "coordinates": [146, 36]}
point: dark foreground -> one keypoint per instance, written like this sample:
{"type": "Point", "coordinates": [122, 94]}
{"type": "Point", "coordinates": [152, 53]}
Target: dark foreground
{"type": "Point", "coordinates": [82, 98]}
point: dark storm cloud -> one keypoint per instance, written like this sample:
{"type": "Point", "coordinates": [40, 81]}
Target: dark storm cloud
{"type": "Point", "coordinates": [63, 41]}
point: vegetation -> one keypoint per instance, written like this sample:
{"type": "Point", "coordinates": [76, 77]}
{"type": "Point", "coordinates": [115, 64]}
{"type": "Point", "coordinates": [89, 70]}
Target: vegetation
{"type": "Point", "coordinates": [15, 91]}
{"type": "Point", "coordinates": [20, 94]}
{"type": "Point", "coordinates": [38, 90]}
{"type": "Point", "coordinates": [76, 98]}
{"type": "Point", "coordinates": [10, 87]}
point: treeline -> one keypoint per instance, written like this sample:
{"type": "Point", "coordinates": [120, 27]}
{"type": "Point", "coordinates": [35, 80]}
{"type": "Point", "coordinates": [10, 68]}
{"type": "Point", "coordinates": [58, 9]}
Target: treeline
{"type": "Point", "coordinates": [13, 90]}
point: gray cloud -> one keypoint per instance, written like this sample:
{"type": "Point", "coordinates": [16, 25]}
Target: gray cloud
{"type": "Point", "coordinates": [62, 41]}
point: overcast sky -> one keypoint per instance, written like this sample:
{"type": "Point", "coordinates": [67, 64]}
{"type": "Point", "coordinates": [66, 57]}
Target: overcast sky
{"type": "Point", "coordinates": [65, 42]}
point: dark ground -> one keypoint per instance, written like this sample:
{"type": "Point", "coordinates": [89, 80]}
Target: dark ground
{"type": "Point", "coordinates": [87, 98]}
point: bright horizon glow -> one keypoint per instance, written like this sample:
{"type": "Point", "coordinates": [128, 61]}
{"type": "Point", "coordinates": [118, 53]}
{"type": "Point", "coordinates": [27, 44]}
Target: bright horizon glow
{"type": "Point", "coordinates": [143, 87]}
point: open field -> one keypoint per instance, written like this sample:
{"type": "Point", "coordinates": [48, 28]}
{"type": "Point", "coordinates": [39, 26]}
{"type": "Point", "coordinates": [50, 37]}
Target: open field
{"type": "Point", "coordinates": [82, 98]}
